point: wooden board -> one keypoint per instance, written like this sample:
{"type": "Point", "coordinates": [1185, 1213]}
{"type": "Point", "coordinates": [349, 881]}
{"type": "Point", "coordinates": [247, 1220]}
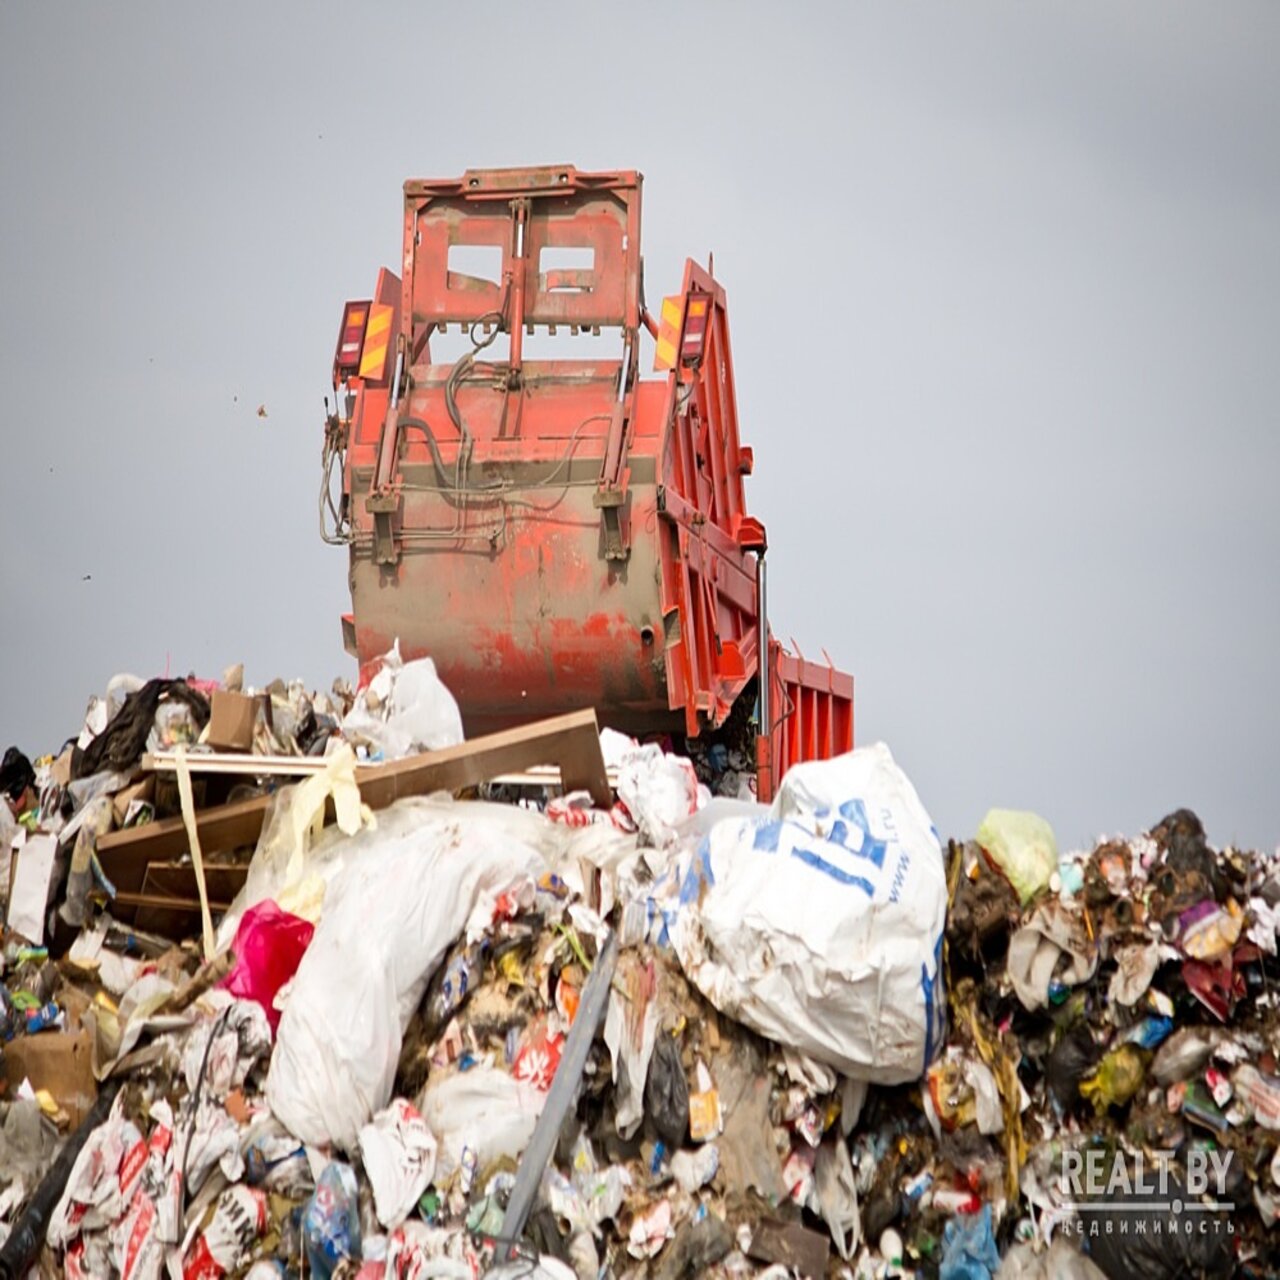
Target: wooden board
{"type": "Point", "coordinates": [236, 763]}
{"type": "Point", "coordinates": [570, 741]}
{"type": "Point", "coordinates": [247, 765]}
{"type": "Point", "coordinates": [169, 901]}
{"type": "Point", "coordinates": [125, 855]}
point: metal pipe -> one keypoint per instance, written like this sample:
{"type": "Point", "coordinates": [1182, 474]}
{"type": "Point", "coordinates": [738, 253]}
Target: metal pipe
{"type": "Point", "coordinates": [28, 1234]}
{"type": "Point", "coordinates": [762, 628]}
{"type": "Point", "coordinates": [560, 1097]}
{"type": "Point", "coordinates": [516, 284]}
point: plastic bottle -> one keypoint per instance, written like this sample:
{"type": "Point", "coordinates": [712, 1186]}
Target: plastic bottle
{"type": "Point", "coordinates": [331, 1222]}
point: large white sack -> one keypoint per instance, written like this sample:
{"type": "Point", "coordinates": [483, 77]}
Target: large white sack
{"type": "Point", "coordinates": [820, 926]}
{"type": "Point", "coordinates": [405, 895]}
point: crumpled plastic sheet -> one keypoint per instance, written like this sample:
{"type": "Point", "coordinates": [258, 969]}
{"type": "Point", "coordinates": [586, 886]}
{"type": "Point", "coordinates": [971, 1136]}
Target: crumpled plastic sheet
{"type": "Point", "coordinates": [221, 1052]}
{"type": "Point", "coordinates": [1053, 932]}
{"type": "Point", "coordinates": [1021, 844]}
{"type": "Point", "coordinates": [660, 791]}
{"type": "Point", "coordinates": [969, 1248]}
{"type": "Point", "coordinates": [1061, 1261]}
{"type": "Point", "coordinates": [484, 1109]}
{"type": "Point", "coordinates": [28, 1144]}
{"type": "Point", "coordinates": [288, 865]}
{"type": "Point", "coordinates": [837, 1192]}
{"type": "Point", "coordinates": [93, 1198]}
{"type": "Point", "coordinates": [630, 1027]}
{"type": "Point", "coordinates": [1137, 966]}
{"type": "Point", "coordinates": [269, 946]}
{"type": "Point", "coordinates": [404, 709]}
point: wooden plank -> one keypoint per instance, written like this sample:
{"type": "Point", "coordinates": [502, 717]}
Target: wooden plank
{"type": "Point", "coordinates": [169, 897]}
{"type": "Point", "coordinates": [247, 765]}
{"type": "Point", "coordinates": [570, 741]}
{"type": "Point", "coordinates": [236, 764]}
{"type": "Point", "coordinates": [224, 879]}
{"type": "Point", "coordinates": [175, 882]}
{"type": "Point", "coordinates": [163, 902]}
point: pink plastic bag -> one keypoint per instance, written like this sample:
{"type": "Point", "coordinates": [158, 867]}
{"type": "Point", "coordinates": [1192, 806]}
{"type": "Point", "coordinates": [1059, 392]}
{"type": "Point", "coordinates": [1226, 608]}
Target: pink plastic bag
{"type": "Point", "coordinates": [269, 946]}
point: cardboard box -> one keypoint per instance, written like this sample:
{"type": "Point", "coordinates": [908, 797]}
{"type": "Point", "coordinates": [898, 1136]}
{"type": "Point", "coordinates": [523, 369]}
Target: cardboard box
{"type": "Point", "coordinates": [60, 770]}
{"type": "Point", "coordinates": [58, 1061]}
{"type": "Point", "coordinates": [231, 722]}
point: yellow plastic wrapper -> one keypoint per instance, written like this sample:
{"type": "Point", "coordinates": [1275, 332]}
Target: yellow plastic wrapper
{"type": "Point", "coordinates": [1117, 1078]}
{"type": "Point", "coordinates": [1021, 844]}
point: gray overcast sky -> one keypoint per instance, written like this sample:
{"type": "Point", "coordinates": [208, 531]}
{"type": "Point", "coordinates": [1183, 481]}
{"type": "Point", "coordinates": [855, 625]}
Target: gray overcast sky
{"type": "Point", "coordinates": [1004, 287]}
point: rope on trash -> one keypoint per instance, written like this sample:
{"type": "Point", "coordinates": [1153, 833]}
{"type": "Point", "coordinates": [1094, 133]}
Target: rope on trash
{"type": "Point", "coordinates": [194, 1099]}
{"type": "Point", "coordinates": [193, 836]}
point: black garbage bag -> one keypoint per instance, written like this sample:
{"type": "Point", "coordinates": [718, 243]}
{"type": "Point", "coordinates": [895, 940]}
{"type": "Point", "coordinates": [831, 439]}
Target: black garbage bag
{"type": "Point", "coordinates": [666, 1092]}
{"type": "Point", "coordinates": [16, 774]}
{"type": "Point", "coordinates": [1181, 835]}
{"type": "Point", "coordinates": [697, 1246]}
{"type": "Point", "coordinates": [1180, 1240]}
{"type": "Point", "coordinates": [120, 745]}
{"type": "Point", "coordinates": [1069, 1061]}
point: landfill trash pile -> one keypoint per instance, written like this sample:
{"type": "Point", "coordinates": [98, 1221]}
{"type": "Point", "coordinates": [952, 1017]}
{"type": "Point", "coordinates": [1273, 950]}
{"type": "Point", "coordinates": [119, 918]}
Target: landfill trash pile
{"type": "Point", "coordinates": [309, 985]}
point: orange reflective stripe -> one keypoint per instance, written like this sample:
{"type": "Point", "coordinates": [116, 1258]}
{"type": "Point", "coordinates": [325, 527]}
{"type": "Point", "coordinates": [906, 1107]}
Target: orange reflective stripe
{"type": "Point", "coordinates": [664, 356]}
{"type": "Point", "coordinates": [377, 342]}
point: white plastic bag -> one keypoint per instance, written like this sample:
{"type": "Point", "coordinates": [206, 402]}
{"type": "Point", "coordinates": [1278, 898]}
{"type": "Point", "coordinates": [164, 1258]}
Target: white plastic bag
{"type": "Point", "coordinates": [484, 1110]}
{"type": "Point", "coordinates": [398, 1152]}
{"type": "Point", "coordinates": [405, 708]}
{"type": "Point", "coordinates": [821, 926]}
{"type": "Point", "coordinates": [659, 790]}
{"type": "Point", "coordinates": [93, 1197]}
{"type": "Point", "coordinates": [389, 916]}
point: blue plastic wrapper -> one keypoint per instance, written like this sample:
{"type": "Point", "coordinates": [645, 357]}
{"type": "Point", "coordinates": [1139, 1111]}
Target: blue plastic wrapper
{"type": "Point", "coordinates": [331, 1223]}
{"type": "Point", "coordinates": [969, 1248]}
{"type": "Point", "coordinates": [41, 1019]}
{"type": "Point", "coordinates": [1151, 1032]}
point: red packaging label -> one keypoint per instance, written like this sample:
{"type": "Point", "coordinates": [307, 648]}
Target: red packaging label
{"type": "Point", "coordinates": [239, 1219]}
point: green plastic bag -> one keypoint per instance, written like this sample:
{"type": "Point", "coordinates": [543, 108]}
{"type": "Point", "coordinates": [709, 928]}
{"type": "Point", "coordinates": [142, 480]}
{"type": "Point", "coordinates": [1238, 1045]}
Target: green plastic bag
{"type": "Point", "coordinates": [1021, 844]}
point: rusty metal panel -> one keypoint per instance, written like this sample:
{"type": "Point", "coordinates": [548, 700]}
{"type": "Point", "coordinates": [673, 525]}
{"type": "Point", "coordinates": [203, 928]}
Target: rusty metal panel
{"type": "Point", "coordinates": [528, 622]}
{"type": "Point", "coordinates": [524, 215]}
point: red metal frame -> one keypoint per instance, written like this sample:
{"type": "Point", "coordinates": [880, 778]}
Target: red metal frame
{"type": "Point", "coordinates": [814, 718]}
{"type": "Point", "coordinates": [562, 532]}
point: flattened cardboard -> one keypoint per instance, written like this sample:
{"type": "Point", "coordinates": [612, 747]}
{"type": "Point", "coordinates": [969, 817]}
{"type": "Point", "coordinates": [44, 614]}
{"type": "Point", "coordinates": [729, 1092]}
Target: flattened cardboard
{"type": "Point", "coordinates": [144, 790]}
{"type": "Point", "coordinates": [29, 887]}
